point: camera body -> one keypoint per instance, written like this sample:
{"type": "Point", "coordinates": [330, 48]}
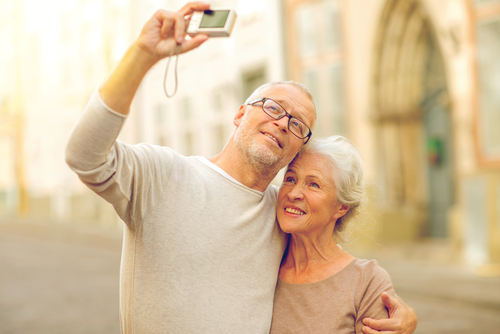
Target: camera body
{"type": "Point", "coordinates": [215, 22]}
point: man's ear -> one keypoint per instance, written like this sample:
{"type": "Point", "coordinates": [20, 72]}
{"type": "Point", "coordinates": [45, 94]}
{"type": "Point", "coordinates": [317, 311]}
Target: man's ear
{"type": "Point", "coordinates": [239, 115]}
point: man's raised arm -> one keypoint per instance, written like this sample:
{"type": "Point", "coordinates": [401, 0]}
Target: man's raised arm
{"type": "Point", "coordinates": [90, 144]}
{"type": "Point", "coordinates": [159, 37]}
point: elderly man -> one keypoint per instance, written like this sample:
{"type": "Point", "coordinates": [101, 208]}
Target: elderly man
{"type": "Point", "coordinates": [201, 248]}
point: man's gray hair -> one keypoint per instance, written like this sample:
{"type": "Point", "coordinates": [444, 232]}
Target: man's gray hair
{"type": "Point", "coordinates": [261, 89]}
{"type": "Point", "coordinates": [347, 172]}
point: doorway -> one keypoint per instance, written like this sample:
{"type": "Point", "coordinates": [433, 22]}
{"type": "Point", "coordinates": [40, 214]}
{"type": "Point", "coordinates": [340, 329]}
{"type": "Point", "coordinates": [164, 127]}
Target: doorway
{"type": "Point", "coordinates": [412, 118]}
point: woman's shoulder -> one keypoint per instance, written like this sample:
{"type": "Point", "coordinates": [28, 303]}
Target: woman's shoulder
{"type": "Point", "coordinates": [365, 264]}
{"type": "Point", "coordinates": [371, 270]}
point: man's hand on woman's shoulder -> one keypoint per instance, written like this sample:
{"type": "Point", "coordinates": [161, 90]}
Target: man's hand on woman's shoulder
{"type": "Point", "coordinates": [402, 318]}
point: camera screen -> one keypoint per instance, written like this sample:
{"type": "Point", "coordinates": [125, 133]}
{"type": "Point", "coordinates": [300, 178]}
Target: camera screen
{"type": "Point", "coordinates": [214, 19]}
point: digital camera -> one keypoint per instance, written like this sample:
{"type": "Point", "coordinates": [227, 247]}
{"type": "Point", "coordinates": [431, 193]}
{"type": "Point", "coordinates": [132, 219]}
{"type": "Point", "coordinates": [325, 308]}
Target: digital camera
{"type": "Point", "coordinates": [214, 22]}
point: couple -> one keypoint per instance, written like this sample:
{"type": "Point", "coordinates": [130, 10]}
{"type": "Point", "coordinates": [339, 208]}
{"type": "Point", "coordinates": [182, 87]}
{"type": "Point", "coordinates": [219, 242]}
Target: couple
{"type": "Point", "coordinates": [202, 250]}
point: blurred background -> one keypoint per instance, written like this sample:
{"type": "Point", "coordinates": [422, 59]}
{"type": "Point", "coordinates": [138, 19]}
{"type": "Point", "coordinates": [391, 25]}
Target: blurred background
{"type": "Point", "coordinates": [415, 84]}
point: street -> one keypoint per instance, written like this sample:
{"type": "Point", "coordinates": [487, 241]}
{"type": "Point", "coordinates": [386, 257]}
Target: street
{"type": "Point", "coordinates": [447, 300]}
{"type": "Point", "coordinates": [59, 279]}
{"type": "Point", "coordinates": [54, 280]}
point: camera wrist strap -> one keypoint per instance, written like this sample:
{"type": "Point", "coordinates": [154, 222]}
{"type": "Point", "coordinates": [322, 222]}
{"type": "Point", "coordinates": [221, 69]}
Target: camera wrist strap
{"type": "Point", "coordinates": [177, 51]}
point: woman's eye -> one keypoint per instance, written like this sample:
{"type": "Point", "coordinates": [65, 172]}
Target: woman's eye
{"type": "Point", "coordinates": [289, 179]}
{"type": "Point", "coordinates": [314, 185]}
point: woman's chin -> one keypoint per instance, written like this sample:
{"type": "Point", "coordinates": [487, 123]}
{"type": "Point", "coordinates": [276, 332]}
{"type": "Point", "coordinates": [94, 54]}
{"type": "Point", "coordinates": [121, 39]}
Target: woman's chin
{"type": "Point", "coordinates": [288, 228]}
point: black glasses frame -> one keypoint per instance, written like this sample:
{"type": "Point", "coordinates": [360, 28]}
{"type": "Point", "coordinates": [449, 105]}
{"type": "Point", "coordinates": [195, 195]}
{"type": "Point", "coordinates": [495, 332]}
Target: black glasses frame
{"type": "Point", "coordinates": [264, 99]}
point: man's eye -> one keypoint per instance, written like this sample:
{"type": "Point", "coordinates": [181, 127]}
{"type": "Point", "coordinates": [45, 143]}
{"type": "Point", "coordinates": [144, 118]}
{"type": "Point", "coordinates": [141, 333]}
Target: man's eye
{"type": "Point", "coordinates": [289, 179]}
{"type": "Point", "coordinates": [297, 125]}
{"type": "Point", "coordinates": [314, 185]}
{"type": "Point", "coordinates": [273, 109]}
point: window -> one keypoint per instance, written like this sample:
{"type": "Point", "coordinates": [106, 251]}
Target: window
{"type": "Point", "coordinates": [219, 137]}
{"type": "Point", "coordinates": [488, 75]}
{"type": "Point", "coordinates": [488, 48]}
{"type": "Point", "coordinates": [332, 25]}
{"type": "Point", "coordinates": [160, 123]}
{"type": "Point", "coordinates": [189, 143]}
{"type": "Point", "coordinates": [252, 80]}
{"type": "Point", "coordinates": [218, 99]}
{"type": "Point", "coordinates": [318, 27]}
{"type": "Point", "coordinates": [486, 2]}
{"type": "Point", "coordinates": [316, 59]}
{"type": "Point", "coordinates": [310, 79]}
{"type": "Point", "coordinates": [336, 98]}
{"type": "Point", "coordinates": [326, 85]}
{"type": "Point", "coordinates": [306, 29]}
{"type": "Point", "coordinates": [160, 114]}
{"type": "Point", "coordinates": [186, 109]}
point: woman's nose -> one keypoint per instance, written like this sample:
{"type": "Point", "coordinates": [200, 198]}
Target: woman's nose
{"type": "Point", "coordinates": [295, 194]}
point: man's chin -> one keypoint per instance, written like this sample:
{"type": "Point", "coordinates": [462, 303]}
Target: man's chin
{"type": "Point", "coordinates": [261, 155]}
{"type": "Point", "coordinates": [265, 157]}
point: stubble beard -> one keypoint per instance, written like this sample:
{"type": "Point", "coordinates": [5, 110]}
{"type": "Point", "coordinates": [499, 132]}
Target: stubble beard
{"type": "Point", "coordinates": [260, 157]}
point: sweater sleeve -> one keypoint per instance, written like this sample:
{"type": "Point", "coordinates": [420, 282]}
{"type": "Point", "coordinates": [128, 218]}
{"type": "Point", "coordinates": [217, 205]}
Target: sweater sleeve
{"type": "Point", "coordinates": [375, 281]}
{"type": "Point", "coordinates": [130, 177]}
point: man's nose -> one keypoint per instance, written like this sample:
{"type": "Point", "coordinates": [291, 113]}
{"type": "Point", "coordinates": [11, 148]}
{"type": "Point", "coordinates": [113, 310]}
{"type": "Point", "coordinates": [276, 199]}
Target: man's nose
{"type": "Point", "coordinates": [282, 123]}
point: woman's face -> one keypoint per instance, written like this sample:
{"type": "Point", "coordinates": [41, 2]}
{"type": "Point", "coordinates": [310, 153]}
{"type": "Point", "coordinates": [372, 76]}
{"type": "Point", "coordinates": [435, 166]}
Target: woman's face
{"type": "Point", "coordinates": [307, 201]}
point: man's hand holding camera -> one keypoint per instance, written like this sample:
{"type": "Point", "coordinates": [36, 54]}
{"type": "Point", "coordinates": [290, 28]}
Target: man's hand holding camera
{"type": "Point", "coordinates": [165, 30]}
{"type": "Point", "coordinates": [159, 39]}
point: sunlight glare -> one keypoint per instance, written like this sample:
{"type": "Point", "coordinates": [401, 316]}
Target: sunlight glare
{"type": "Point", "coordinates": [92, 11]}
{"type": "Point", "coordinates": [94, 40]}
{"type": "Point", "coordinates": [250, 6]}
{"type": "Point", "coordinates": [38, 14]}
{"type": "Point", "coordinates": [119, 49]}
{"type": "Point", "coordinates": [120, 3]}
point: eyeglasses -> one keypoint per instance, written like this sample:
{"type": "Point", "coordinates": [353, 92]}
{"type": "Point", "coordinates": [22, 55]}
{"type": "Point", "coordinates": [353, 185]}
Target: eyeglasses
{"type": "Point", "coordinates": [276, 111]}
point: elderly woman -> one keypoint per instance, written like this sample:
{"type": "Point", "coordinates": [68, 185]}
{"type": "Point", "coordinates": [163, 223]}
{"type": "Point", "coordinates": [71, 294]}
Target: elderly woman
{"type": "Point", "coordinates": [321, 288]}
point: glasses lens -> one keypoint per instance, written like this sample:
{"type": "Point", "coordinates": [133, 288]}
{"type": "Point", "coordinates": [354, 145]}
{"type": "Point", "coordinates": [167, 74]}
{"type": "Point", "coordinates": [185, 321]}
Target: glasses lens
{"type": "Point", "coordinates": [298, 128]}
{"type": "Point", "coordinates": [273, 109]}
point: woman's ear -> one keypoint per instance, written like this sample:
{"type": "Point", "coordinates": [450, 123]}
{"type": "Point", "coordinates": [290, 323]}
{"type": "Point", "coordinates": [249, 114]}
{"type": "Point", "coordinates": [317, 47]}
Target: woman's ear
{"type": "Point", "coordinates": [341, 211]}
{"type": "Point", "coordinates": [239, 115]}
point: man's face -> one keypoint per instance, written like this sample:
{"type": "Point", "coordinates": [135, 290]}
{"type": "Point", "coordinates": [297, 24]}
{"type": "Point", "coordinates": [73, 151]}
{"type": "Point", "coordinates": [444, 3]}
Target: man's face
{"type": "Point", "coordinates": [266, 141]}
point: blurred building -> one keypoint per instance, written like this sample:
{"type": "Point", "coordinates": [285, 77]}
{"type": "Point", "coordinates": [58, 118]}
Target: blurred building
{"type": "Point", "coordinates": [54, 56]}
{"type": "Point", "coordinates": [414, 83]}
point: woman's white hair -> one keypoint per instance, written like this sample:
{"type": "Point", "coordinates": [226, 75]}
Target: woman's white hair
{"type": "Point", "coordinates": [347, 172]}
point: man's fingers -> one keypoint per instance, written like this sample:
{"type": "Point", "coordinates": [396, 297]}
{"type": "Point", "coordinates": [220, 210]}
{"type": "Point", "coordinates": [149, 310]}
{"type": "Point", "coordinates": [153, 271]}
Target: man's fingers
{"type": "Point", "coordinates": [393, 305]}
{"type": "Point", "coordinates": [194, 42]}
{"type": "Point", "coordinates": [396, 324]}
{"type": "Point", "coordinates": [179, 26]}
{"type": "Point", "coordinates": [166, 20]}
{"type": "Point", "coordinates": [386, 324]}
{"type": "Point", "coordinates": [368, 330]}
{"type": "Point", "coordinates": [191, 7]}
{"type": "Point", "coordinates": [181, 22]}
{"type": "Point", "coordinates": [172, 24]}
{"type": "Point", "coordinates": [389, 302]}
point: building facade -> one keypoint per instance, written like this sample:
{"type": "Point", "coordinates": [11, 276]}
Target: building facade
{"type": "Point", "coordinates": [414, 88]}
{"type": "Point", "coordinates": [53, 58]}
{"type": "Point", "coordinates": [414, 84]}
